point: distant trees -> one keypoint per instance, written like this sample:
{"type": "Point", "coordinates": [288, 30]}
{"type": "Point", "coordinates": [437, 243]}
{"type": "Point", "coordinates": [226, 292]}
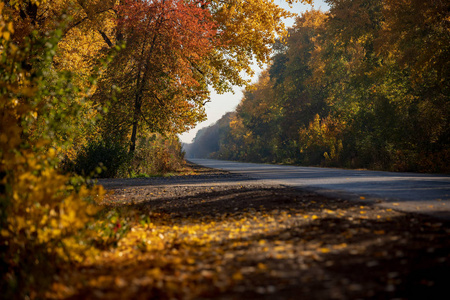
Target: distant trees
{"type": "Point", "coordinates": [208, 140]}
{"type": "Point", "coordinates": [363, 85]}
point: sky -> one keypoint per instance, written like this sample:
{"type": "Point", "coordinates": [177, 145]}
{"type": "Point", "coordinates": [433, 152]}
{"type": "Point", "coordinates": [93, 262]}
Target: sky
{"type": "Point", "coordinates": [221, 104]}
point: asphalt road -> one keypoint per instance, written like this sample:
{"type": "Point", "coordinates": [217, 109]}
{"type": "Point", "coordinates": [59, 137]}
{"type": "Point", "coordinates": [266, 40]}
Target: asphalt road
{"type": "Point", "coordinates": [409, 192]}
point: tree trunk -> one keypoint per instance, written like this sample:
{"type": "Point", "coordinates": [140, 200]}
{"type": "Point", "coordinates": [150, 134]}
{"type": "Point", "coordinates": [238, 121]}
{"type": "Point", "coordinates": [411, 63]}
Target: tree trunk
{"type": "Point", "coordinates": [137, 111]}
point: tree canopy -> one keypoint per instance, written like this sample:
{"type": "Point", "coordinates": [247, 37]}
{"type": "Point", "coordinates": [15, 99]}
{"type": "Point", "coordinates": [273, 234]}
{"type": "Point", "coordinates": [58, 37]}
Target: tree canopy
{"type": "Point", "coordinates": [362, 85]}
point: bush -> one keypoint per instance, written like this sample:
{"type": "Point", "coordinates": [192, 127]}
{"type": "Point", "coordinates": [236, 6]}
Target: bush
{"type": "Point", "coordinates": [43, 219]}
{"type": "Point", "coordinates": [103, 159]}
{"type": "Point", "coordinates": [156, 155]}
{"type": "Point", "coordinates": [321, 143]}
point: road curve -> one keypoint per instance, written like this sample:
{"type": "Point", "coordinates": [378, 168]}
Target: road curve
{"type": "Point", "coordinates": [409, 192]}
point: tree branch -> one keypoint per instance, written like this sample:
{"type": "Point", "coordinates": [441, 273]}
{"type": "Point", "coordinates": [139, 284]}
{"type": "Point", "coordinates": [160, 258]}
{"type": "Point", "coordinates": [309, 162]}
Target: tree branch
{"type": "Point", "coordinates": [105, 38]}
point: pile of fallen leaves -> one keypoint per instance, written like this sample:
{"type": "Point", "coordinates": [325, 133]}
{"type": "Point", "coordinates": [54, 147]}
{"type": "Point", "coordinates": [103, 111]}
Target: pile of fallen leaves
{"type": "Point", "coordinates": [243, 239]}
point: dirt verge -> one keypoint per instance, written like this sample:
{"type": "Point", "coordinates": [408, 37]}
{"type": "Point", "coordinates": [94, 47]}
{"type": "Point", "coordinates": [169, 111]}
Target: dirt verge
{"type": "Point", "coordinates": [223, 236]}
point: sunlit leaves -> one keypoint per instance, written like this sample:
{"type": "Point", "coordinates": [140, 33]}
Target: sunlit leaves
{"type": "Point", "coordinates": [43, 216]}
{"type": "Point", "coordinates": [247, 29]}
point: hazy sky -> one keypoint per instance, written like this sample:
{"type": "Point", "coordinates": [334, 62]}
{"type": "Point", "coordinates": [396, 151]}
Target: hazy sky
{"type": "Point", "coordinates": [221, 104]}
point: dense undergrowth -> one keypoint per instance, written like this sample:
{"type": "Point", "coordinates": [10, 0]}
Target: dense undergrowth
{"type": "Point", "coordinates": [154, 155]}
{"type": "Point", "coordinates": [45, 216]}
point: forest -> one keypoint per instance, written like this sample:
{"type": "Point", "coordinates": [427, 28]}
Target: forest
{"type": "Point", "coordinates": [363, 85]}
{"type": "Point", "coordinates": [101, 88]}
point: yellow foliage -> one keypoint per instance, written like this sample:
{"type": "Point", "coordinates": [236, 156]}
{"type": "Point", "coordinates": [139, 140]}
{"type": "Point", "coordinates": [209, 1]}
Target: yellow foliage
{"type": "Point", "coordinates": [247, 30]}
{"type": "Point", "coordinates": [323, 135]}
{"type": "Point", "coordinates": [41, 213]}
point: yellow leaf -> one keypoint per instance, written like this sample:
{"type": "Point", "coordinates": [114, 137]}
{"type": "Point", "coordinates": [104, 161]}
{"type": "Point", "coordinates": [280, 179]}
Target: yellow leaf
{"type": "Point", "coordinates": [190, 261]}
{"type": "Point", "coordinates": [155, 272]}
{"type": "Point", "coordinates": [237, 276]}
{"type": "Point", "coordinates": [6, 35]}
{"type": "Point", "coordinates": [262, 266]}
{"type": "Point", "coordinates": [10, 27]}
{"type": "Point", "coordinates": [340, 246]}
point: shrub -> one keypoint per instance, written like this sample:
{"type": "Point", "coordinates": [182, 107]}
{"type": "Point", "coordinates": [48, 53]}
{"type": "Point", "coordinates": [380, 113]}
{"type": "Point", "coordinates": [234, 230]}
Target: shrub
{"type": "Point", "coordinates": [157, 154]}
{"type": "Point", "coordinates": [43, 218]}
{"type": "Point", "coordinates": [321, 143]}
{"type": "Point", "coordinates": [104, 159]}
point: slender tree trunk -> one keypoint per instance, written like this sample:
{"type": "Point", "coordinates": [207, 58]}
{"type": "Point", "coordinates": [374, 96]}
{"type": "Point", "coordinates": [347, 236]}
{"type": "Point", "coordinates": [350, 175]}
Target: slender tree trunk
{"type": "Point", "coordinates": [137, 110]}
{"type": "Point", "coordinates": [142, 74]}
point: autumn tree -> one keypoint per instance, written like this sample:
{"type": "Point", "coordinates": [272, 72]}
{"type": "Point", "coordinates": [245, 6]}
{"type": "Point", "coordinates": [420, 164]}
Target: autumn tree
{"type": "Point", "coordinates": [297, 97]}
{"type": "Point", "coordinates": [160, 84]}
{"type": "Point", "coordinates": [415, 37]}
{"type": "Point", "coordinates": [176, 49]}
{"type": "Point", "coordinates": [38, 20]}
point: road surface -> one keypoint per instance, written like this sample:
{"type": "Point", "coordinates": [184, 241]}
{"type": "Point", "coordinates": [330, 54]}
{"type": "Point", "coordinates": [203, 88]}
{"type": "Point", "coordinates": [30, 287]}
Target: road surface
{"type": "Point", "coordinates": [409, 192]}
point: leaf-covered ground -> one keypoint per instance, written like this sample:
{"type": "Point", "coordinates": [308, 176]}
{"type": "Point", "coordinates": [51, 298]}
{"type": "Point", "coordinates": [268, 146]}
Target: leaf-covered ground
{"type": "Point", "coordinates": [216, 235]}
